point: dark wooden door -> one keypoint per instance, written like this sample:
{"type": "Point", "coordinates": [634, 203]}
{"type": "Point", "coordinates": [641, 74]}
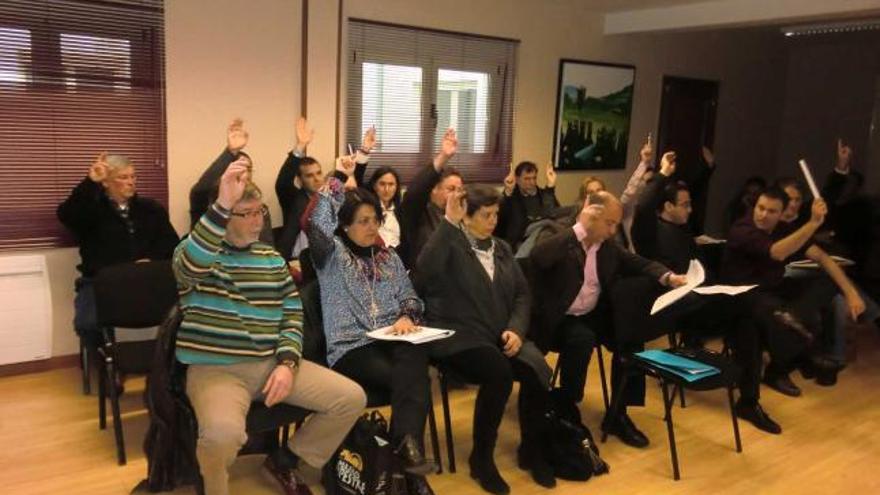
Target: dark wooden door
{"type": "Point", "coordinates": [687, 123]}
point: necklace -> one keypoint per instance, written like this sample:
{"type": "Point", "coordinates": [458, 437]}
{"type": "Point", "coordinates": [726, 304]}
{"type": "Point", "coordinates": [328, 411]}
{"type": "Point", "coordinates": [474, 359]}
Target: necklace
{"type": "Point", "coordinates": [371, 285]}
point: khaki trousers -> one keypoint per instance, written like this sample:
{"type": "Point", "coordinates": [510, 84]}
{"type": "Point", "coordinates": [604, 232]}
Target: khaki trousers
{"type": "Point", "coordinates": [222, 394]}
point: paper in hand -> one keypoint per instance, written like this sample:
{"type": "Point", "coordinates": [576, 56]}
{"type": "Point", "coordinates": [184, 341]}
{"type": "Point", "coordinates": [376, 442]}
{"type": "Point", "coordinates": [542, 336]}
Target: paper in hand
{"type": "Point", "coordinates": [695, 276]}
{"type": "Point", "coordinates": [808, 176]}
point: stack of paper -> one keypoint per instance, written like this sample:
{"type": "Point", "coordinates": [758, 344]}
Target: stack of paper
{"type": "Point", "coordinates": [695, 276]}
{"type": "Point", "coordinates": [688, 369]}
{"type": "Point", "coordinates": [420, 336]}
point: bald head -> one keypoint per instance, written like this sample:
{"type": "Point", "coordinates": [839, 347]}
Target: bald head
{"type": "Point", "coordinates": [604, 224]}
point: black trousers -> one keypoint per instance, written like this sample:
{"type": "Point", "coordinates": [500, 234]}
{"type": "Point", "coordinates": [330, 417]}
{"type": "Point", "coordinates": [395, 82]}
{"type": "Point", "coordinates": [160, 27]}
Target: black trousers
{"type": "Point", "coordinates": [495, 373]}
{"type": "Point", "coordinates": [401, 369]}
{"type": "Point", "coordinates": [576, 336]}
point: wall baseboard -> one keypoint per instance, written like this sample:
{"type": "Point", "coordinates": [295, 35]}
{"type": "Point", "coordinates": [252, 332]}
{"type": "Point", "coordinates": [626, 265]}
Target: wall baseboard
{"type": "Point", "coordinates": [53, 363]}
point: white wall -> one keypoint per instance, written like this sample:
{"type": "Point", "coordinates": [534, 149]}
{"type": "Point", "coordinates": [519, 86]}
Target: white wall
{"type": "Point", "coordinates": [229, 58]}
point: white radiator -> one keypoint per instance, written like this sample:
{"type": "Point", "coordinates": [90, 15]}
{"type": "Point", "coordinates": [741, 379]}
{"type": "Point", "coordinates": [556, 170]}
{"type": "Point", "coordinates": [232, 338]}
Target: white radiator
{"type": "Point", "coordinates": [25, 309]}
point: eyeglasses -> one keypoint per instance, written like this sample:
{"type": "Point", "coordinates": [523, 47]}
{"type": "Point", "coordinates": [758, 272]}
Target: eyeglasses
{"type": "Point", "coordinates": [251, 214]}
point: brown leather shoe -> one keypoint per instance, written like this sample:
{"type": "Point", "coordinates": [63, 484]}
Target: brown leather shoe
{"type": "Point", "coordinates": [286, 477]}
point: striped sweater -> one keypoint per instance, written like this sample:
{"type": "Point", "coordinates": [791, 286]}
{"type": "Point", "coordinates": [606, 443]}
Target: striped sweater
{"type": "Point", "coordinates": [239, 304]}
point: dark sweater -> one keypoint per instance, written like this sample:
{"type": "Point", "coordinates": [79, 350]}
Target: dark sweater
{"type": "Point", "coordinates": [418, 217]}
{"type": "Point", "coordinates": [103, 234]}
{"type": "Point", "coordinates": [657, 239]}
{"type": "Point", "coordinates": [514, 216]}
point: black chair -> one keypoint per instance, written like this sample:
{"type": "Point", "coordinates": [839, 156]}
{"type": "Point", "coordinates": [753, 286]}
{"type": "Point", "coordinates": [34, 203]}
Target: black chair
{"type": "Point", "coordinates": [727, 378]}
{"type": "Point", "coordinates": [134, 296]}
{"type": "Point", "coordinates": [315, 344]}
{"type": "Point", "coordinates": [170, 443]}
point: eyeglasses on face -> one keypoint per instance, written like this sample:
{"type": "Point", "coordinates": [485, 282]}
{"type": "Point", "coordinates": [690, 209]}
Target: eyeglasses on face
{"type": "Point", "coordinates": [251, 214]}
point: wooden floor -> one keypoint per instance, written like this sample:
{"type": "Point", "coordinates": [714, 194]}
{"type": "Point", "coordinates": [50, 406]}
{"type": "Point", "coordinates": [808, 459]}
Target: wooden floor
{"type": "Point", "coordinates": [831, 442]}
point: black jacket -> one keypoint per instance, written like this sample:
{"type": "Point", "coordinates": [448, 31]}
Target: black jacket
{"type": "Point", "coordinates": [512, 216]}
{"type": "Point", "coordinates": [558, 266]}
{"type": "Point", "coordinates": [418, 217]}
{"type": "Point", "coordinates": [103, 235]}
{"type": "Point", "coordinates": [654, 238]}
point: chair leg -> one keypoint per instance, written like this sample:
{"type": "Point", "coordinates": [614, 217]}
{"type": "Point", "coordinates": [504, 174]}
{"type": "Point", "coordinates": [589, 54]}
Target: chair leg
{"type": "Point", "coordinates": [555, 378]}
{"type": "Point", "coordinates": [435, 437]}
{"type": "Point", "coordinates": [447, 421]}
{"type": "Point", "coordinates": [117, 417]}
{"type": "Point", "coordinates": [601, 359]}
{"type": "Point", "coordinates": [667, 404]}
{"type": "Point", "coordinates": [735, 420]}
{"type": "Point", "coordinates": [102, 399]}
{"type": "Point", "coordinates": [86, 367]}
{"type": "Point", "coordinates": [285, 435]}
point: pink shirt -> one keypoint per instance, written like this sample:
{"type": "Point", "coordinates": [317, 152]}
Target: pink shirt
{"type": "Point", "coordinates": [588, 296]}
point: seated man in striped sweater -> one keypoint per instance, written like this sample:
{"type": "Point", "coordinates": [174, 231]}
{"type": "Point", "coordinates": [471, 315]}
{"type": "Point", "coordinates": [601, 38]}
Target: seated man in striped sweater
{"type": "Point", "coordinates": [241, 336]}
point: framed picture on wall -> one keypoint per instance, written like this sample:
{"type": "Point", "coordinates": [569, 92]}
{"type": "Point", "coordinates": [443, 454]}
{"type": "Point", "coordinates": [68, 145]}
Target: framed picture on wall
{"type": "Point", "coordinates": [593, 112]}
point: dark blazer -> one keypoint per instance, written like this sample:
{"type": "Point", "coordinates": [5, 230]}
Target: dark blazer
{"type": "Point", "coordinates": [418, 217]}
{"type": "Point", "coordinates": [655, 238]}
{"type": "Point", "coordinates": [459, 295]}
{"type": "Point", "coordinates": [512, 216]}
{"type": "Point", "coordinates": [558, 266]}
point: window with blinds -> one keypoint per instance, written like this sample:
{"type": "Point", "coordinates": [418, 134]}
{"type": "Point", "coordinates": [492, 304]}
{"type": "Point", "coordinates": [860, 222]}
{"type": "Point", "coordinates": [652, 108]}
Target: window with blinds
{"type": "Point", "coordinates": [412, 84]}
{"type": "Point", "coordinates": [77, 77]}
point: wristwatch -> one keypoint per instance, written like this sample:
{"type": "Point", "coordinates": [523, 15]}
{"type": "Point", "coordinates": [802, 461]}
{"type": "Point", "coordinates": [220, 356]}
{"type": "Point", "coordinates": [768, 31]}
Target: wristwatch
{"type": "Point", "coordinates": [290, 363]}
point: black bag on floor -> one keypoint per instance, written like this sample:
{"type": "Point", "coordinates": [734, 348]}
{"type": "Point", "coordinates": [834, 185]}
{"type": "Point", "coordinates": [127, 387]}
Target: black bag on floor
{"type": "Point", "coordinates": [574, 454]}
{"type": "Point", "coordinates": [364, 463]}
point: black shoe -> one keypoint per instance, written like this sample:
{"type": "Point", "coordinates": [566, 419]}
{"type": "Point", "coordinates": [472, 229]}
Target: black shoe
{"type": "Point", "coordinates": [537, 466]}
{"type": "Point", "coordinates": [782, 383]}
{"type": "Point", "coordinates": [756, 415]}
{"type": "Point", "coordinates": [623, 428]}
{"type": "Point", "coordinates": [814, 366]}
{"type": "Point", "coordinates": [417, 485]}
{"type": "Point", "coordinates": [487, 475]}
{"type": "Point", "coordinates": [790, 322]}
{"type": "Point", "coordinates": [411, 457]}
{"type": "Point", "coordinates": [826, 378]}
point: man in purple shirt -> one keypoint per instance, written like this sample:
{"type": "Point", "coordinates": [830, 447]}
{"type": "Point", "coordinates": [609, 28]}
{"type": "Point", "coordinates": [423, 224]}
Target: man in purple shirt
{"type": "Point", "coordinates": [575, 272]}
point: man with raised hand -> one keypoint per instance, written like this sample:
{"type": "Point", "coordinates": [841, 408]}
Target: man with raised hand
{"type": "Point", "coordinates": [241, 337]}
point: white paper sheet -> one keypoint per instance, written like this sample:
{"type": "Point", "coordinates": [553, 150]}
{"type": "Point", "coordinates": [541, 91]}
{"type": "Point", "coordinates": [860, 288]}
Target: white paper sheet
{"type": "Point", "coordinates": [805, 169]}
{"type": "Point", "coordinates": [695, 276]}
{"type": "Point", "coordinates": [423, 335]}
{"type": "Point", "coordinates": [840, 260]}
{"type": "Point", "coordinates": [730, 290]}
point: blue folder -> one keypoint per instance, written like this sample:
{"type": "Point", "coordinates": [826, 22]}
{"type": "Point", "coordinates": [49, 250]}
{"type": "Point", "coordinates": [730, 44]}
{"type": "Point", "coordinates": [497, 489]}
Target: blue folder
{"type": "Point", "coordinates": [688, 369]}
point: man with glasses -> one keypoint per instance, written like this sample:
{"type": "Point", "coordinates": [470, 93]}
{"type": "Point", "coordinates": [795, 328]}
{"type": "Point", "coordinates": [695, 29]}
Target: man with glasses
{"type": "Point", "coordinates": [241, 337]}
{"type": "Point", "coordinates": [111, 225]}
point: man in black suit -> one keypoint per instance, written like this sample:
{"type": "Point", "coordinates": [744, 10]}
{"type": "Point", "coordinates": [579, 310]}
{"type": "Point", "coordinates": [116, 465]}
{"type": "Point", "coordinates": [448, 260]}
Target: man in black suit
{"type": "Point", "coordinates": [524, 202]}
{"type": "Point", "coordinates": [576, 272]}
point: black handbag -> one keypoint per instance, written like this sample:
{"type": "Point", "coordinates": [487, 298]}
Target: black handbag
{"type": "Point", "coordinates": [364, 463]}
{"type": "Point", "coordinates": [574, 454]}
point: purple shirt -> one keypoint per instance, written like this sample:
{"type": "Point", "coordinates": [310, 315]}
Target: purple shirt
{"type": "Point", "coordinates": [588, 296]}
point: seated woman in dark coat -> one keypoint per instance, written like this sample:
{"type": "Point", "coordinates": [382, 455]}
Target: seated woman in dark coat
{"type": "Point", "coordinates": [472, 284]}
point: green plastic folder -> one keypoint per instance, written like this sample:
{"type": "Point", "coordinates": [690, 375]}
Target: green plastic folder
{"type": "Point", "coordinates": [686, 368]}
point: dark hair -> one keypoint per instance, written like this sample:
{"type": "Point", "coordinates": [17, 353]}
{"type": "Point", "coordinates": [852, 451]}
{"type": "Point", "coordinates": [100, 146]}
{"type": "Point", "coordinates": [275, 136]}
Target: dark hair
{"type": "Point", "coordinates": [305, 161]}
{"type": "Point", "coordinates": [524, 167]}
{"type": "Point", "coordinates": [479, 196]}
{"type": "Point", "coordinates": [784, 182]}
{"type": "Point", "coordinates": [378, 174]}
{"type": "Point", "coordinates": [449, 172]}
{"type": "Point", "coordinates": [776, 192]}
{"type": "Point", "coordinates": [353, 200]}
{"type": "Point", "coordinates": [670, 193]}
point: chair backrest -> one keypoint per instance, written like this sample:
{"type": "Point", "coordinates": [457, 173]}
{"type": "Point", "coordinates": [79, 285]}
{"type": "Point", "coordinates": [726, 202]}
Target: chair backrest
{"type": "Point", "coordinates": [314, 341]}
{"type": "Point", "coordinates": [135, 295]}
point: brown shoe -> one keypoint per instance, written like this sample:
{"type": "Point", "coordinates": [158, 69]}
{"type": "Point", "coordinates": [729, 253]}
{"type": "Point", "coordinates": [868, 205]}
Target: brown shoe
{"type": "Point", "coordinates": [290, 482]}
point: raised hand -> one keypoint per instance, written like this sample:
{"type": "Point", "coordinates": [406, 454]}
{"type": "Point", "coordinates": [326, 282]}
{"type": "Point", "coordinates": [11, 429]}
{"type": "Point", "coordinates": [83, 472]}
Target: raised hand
{"type": "Point", "coordinates": [346, 165]}
{"type": "Point", "coordinates": [99, 170]}
{"type": "Point", "coordinates": [236, 136]}
{"type": "Point", "coordinates": [818, 211]}
{"type": "Point", "coordinates": [369, 141]}
{"type": "Point", "coordinates": [509, 182]}
{"type": "Point", "coordinates": [708, 156]}
{"type": "Point", "coordinates": [676, 280]}
{"type": "Point", "coordinates": [844, 156]}
{"type": "Point", "coordinates": [456, 206]}
{"type": "Point", "coordinates": [304, 134]}
{"type": "Point", "coordinates": [232, 184]}
{"type": "Point", "coordinates": [667, 164]}
{"type": "Point", "coordinates": [551, 175]}
{"type": "Point", "coordinates": [449, 145]}
{"type": "Point", "coordinates": [647, 151]}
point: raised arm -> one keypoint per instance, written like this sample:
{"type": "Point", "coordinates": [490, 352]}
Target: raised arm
{"type": "Point", "coordinates": [322, 220]}
{"type": "Point", "coordinates": [637, 181]}
{"type": "Point", "coordinates": [432, 260]}
{"type": "Point", "coordinates": [195, 256]}
{"type": "Point", "coordinates": [79, 210]}
{"type": "Point", "coordinates": [792, 243]}
{"type": "Point", "coordinates": [199, 195]}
